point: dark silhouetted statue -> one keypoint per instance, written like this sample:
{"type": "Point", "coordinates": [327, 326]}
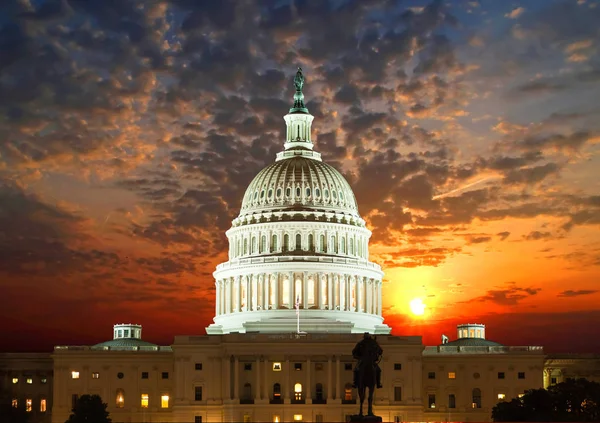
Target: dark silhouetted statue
{"type": "Point", "coordinates": [367, 374]}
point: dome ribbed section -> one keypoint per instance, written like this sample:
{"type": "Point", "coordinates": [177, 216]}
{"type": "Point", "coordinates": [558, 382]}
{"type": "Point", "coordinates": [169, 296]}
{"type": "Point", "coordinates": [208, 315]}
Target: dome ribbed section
{"type": "Point", "coordinates": [301, 184]}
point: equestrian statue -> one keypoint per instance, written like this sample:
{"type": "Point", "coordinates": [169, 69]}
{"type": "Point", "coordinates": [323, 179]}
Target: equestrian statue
{"type": "Point", "coordinates": [367, 373]}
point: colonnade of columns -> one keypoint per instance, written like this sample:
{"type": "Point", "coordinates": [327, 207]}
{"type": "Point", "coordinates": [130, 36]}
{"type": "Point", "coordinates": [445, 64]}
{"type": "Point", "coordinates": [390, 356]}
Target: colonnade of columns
{"type": "Point", "coordinates": [282, 290]}
{"type": "Point", "coordinates": [262, 386]}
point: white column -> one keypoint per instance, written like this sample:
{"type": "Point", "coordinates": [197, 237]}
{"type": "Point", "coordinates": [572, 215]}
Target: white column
{"type": "Point", "coordinates": [238, 293]}
{"type": "Point", "coordinates": [292, 284]}
{"type": "Point", "coordinates": [367, 285]}
{"type": "Point", "coordinates": [305, 290]}
{"type": "Point", "coordinates": [218, 298]}
{"type": "Point", "coordinates": [330, 291]}
{"type": "Point", "coordinates": [228, 296]}
{"type": "Point", "coordinates": [379, 291]}
{"type": "Point", "coordinates": [266, 287]}
{"type": "Point", "coordinates": [329, 379]}
{"type": "Point", "coordinates": [236, 379]}
{"type": "Point", "coordinates": [359, 294]}
{"type": "Point", "coordinates": [276, 291]}
{"type": "Point", "coordinates": [319, 287]}
{"type": "Point", "coordinates": [342, 289]}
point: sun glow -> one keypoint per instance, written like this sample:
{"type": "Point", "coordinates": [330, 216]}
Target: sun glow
{"type": "Point", "coordinates": [417, 307]}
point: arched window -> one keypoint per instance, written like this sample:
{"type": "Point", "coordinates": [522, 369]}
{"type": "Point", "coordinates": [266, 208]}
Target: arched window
{"type": "Point", "coordinates": [253, 245]}
{"type": "Point", "coordinates": [332, 245]}
{"type": "Point", "coordinates": [348, 392]}
{"type": "Point", "coordinates": [476, 398]}
{"type": "Point", "coordinates": [286, 242]}
{"type": "Point", "coordinates": [298, 192]}
{"type": "Point", "coordinates": [276, 391]}
{"type": "Point", "coordinates": [247, 392]}
{"type": "Point", "coordinates": [120, 398]}
{"type": "Point", "coordinates": [319, 392]}
{"type": "Point", "coordinates": [274, 243]}
{"type": "Point", "coordinates": [298, 242]}
{"type": "Point", "coordinates": [245, 246]}
{"type": "Point", "coordinates": [263, 244]}
{"type": "Point", "coordinates": [311, 242]}
{"type": "Point", "coordinates": [288, 192]}
{"type": "Point", "coordinates": [298, 391]}
{"type": "Point", "coordinates": [343, 245]}
{"type": "Point", "coordinates": [322, 244]}
{"type": "Point", "coordinates": [351, 246]}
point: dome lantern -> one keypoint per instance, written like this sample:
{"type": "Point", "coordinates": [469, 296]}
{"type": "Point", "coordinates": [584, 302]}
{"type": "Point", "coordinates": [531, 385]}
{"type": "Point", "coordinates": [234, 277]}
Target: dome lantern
{"type": "Point", "coordinates": [298, 122]}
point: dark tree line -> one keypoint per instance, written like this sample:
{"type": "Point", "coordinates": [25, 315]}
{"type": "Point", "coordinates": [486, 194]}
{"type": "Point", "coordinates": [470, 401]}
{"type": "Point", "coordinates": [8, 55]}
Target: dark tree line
{"type": "Point", "coordinates": [89, 409]}
{"type": "Point", "coordinates": [576, 400]}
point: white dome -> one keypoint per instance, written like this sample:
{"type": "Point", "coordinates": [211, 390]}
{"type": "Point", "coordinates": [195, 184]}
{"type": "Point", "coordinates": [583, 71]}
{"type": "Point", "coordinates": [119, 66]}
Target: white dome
{"type": "Point", "coordinates": [299, 183]}
{"type": "Point", "coordinates": [298, 251]}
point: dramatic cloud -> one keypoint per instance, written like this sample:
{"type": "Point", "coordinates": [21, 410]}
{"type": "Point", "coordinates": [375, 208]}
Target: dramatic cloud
{"type": "Point", "coordinates": [577, 293]}
{"type": "Point", "coordinates": [130, 130]}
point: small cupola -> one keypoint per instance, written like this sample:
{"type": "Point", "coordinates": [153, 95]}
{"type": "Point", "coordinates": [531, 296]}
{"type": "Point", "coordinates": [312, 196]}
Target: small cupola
{"type": "Point", "coordinates": [127, 331]}
{"type": "Point", "coordinates": [470, 330]}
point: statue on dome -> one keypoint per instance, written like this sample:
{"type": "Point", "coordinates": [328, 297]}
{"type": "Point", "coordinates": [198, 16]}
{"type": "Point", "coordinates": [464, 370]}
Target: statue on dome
{"type": "Point", "coordinates": [367, 373]}
{"type": "Point", "coordinates": [299, 80]}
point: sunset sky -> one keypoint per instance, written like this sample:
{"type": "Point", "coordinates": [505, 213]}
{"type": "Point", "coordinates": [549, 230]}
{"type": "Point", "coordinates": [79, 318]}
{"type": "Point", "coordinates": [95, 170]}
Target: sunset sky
{"type": "Point", "coordinates": [469, 131]}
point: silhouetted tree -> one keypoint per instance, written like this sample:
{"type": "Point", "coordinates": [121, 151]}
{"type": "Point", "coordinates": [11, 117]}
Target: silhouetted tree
{"type": "Point", "coordinates": [10, 414]}
{"type": "Point", "coordinates": [576, 400]}
{"type": "Point", "coordinates": [89, 409]}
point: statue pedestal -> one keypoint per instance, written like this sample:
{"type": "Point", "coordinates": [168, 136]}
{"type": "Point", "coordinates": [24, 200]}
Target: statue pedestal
{"type": "Point", "coordinates": [365, 419]}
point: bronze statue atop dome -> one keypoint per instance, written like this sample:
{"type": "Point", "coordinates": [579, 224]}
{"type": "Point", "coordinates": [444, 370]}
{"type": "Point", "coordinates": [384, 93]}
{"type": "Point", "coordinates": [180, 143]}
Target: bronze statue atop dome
{"type": "Point", "coordinates": [299, 106]}
{"type": "Point", "coordinates": [299, 80]}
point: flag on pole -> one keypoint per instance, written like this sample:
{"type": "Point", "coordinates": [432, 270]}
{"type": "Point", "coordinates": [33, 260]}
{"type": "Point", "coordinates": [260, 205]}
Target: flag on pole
{"type": "Point", "coordinates": [297, 305]}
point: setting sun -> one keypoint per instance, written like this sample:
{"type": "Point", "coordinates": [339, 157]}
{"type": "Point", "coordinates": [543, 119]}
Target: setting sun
{"type": "Point", "coordinates": [417, 307]}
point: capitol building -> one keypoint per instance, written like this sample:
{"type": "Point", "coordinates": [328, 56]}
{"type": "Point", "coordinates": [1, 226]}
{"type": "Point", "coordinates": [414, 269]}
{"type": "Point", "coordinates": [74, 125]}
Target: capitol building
{"type": "Point", "coordinates": [296, 294]}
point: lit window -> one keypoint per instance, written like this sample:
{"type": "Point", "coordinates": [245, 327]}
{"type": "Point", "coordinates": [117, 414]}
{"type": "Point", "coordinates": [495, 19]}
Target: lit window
{"type": "Point", "coordinates": [164, 401]}
{"type": "Point", "coordinates": [120, 399]}
{"type": "Point", "coordinates": [43, 380]}
{"type": "Point", "coordinates": [276, 367]}
{"type": "Point", "coordinates": [28, 403]}
{"type": "Point", "coordinates": [348, 392]}
{"type": "Point", "coordinates": [144, 403]}
{"type": "Point", "coordinates": [95, 375]}
{"type": "Point", "coordinates": [297, 417]}
{"type": "Point", "coordinates": [15, 380]}
{"type": "Point", "coordinates": [501, 396]}
{"type": "Point", "coordinates": [29, 381]}
{"type": "Point", "coordinates": [451, 375]}
{"type": "Point", "coordinates": [15, 403]}
{"type": "Point", "coordinates": [431, 400]}
{"type": "Point", "coordinates": [43, 405]}
{"type": "Point", "coordinates": [297, 366]}
{"type": "Point", "coordinates": [521, 395]}
{"type": "Point", "coordinates": [298, 391]}
{"type": "Point", "coordinates": [276, 419]}
{"type": "Point", "coordinates": [74, 375]}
